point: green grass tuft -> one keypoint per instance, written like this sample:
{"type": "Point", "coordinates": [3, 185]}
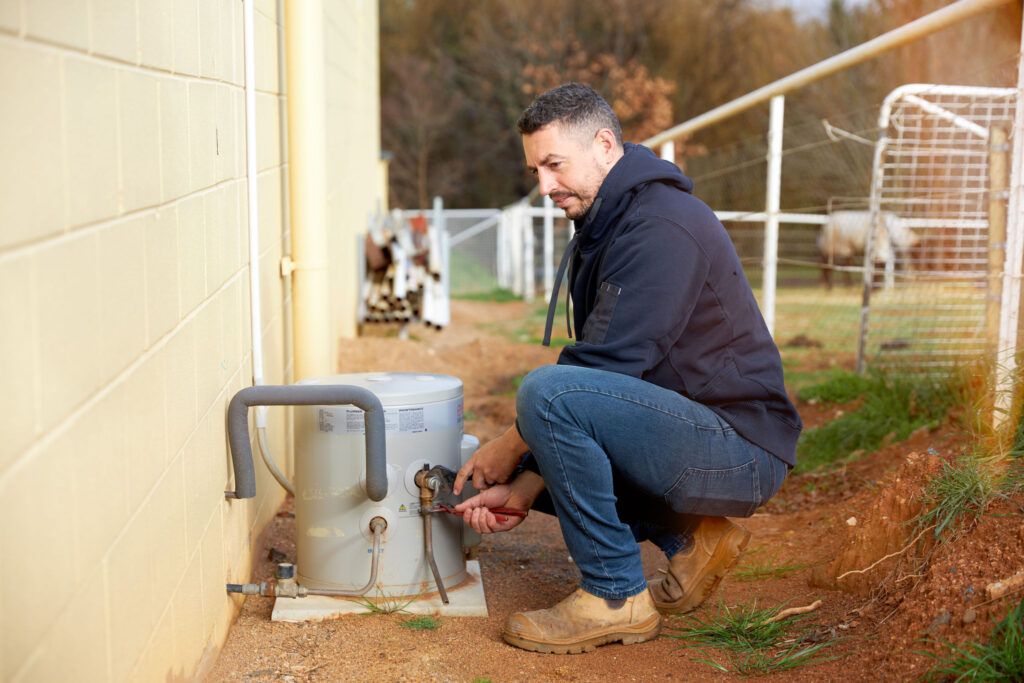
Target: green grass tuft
{"type": "Point", "coordinates": [497, 295]}
{"type": "Point", "coordinates": [1001, 659]}
{"type": "Point", "coordinates": [839, 387]}
{"type": "Point", "coordinates": [767, 568]}
{"type": "Point", "coordinates": [386, 604]}
{"type": "Point", "coordinates": [753, 644]}
{"type": "Point", "coordinates": [421, 623]}
{"type": "Point", "coordinates": [956, 495]}
{"type": "Point", "coordinates": [893, 408]}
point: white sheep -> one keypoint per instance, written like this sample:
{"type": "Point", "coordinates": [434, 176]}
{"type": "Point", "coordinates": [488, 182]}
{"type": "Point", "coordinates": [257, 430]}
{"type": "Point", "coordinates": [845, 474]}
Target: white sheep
{"type": "Point", "coordinates": [842, 238]}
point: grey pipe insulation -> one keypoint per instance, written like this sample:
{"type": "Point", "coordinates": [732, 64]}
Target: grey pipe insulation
{"type": "Point", "coordinates": [306, 395]}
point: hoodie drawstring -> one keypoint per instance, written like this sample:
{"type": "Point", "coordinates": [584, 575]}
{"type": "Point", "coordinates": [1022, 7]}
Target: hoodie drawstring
{"type": "Point", "coordinates": [570, 252]}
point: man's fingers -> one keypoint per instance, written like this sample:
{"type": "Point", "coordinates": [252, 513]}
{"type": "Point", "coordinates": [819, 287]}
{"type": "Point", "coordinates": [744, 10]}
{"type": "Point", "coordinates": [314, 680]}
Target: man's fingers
{"type": "Point", "coordinates": [482, 518]}
{"type": "Point", "coordinates": [462, 476]}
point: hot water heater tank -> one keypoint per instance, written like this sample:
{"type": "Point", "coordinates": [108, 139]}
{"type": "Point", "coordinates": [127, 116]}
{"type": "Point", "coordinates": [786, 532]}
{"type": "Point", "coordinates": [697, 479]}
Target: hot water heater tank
{"type": "Point", "coordinates": [423, 427]}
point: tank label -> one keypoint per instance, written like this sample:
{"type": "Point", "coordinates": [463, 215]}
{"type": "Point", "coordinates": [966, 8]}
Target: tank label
{"type": "Point", "coordinates": [411, 420]}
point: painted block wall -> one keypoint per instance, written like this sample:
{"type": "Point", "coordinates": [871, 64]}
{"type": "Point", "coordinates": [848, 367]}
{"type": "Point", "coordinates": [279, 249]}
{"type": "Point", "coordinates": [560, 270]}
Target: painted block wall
{"type": "Point", "coordinates": [124, 310]}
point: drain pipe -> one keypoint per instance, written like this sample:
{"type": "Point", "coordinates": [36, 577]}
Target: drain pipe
{"type": "Point", "coordinates": [287, 587]}
{"type": "Point", "coordinates": [429, 488]}
{"type": "Point", "coordinates": [307, 169]}
{"type": "Point", "coordinates": [306, 395]}
{"type": "Point", "coordinates": [253, 203]}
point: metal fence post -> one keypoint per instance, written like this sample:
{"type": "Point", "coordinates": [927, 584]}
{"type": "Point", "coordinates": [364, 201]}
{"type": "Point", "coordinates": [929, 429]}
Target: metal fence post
{"type": "Point", "coordinates": [529, 242]}
{"type": "Point", "coordinates": [549, 246]}
{"type": "Point", "coordinates": [668, 151]}
{"type": "Point", "coordinates": [771, 223]}
{"type": "Point", "coordinates": [515, 250]}
{"type": "Point", "coordinates": [501, 257]}
{"type": "Point", "coordinates": [441, 224]}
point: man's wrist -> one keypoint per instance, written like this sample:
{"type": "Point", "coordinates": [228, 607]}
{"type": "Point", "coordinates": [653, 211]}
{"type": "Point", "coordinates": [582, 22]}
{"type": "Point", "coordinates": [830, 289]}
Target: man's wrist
{"type": "Point", "coordinates": [524, 489]}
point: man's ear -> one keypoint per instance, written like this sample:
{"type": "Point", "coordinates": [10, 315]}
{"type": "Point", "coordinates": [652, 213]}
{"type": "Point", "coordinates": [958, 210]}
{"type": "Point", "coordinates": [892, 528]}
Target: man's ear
{"type": "Point", "coordinates": [607, 146]}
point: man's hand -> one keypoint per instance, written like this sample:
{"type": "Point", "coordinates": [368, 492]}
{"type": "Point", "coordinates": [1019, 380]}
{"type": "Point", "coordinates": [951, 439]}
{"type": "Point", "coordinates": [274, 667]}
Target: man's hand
{"type": "Point", "coordinates": [493, 463]}
{"type": "Point", "coordinates": [519, 495]}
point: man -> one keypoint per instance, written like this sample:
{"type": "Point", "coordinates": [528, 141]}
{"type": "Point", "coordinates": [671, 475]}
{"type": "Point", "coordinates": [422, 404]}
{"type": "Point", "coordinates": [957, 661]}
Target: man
{"type": "Point", "coordinates": [667, 415]}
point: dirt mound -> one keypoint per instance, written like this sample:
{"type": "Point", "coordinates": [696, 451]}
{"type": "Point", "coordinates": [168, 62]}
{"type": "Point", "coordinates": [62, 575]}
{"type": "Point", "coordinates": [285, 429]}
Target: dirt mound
{"type": "Point", "coordinates": [920, 593]}
{"type": "Point", "coordinates": [948, 602]}
{"type": "Point", "coordinates": [878, 539]}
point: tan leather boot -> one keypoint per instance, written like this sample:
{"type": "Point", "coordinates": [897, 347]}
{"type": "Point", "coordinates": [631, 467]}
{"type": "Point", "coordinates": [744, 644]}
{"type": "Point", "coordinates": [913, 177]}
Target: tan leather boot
{"type": "Point", "coordinates": [693, 574]}
{"type": "Point", "coordinates": [583, 622]}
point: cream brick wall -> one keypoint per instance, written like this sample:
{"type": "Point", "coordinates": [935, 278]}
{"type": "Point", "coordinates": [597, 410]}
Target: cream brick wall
{"type": "Point", "coordinates": [124, 299]}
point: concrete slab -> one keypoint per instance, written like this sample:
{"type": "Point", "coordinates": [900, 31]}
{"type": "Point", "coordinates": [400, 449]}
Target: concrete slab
{"type": "Point", "coordinates": [465, 600]}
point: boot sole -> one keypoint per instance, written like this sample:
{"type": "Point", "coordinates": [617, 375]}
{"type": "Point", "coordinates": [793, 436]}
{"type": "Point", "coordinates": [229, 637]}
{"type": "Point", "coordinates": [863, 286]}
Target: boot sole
{"type": "Point", "coordinates": [637, 633]}
{"type": "Point", "coordinates": [680, 606]}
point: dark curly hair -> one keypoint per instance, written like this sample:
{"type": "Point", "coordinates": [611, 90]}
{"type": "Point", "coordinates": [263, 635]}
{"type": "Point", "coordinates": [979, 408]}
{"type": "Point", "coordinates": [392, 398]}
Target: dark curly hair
{"type": "Point", "coordinates": [576, 106]}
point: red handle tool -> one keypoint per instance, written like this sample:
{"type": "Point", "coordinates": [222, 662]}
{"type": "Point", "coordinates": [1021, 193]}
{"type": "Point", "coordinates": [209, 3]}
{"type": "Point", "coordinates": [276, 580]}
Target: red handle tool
{"type": "Point", "coordinates": [501, 513]}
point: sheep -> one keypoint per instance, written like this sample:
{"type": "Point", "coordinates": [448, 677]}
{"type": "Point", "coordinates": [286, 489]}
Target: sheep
{"type": "Point", "coordinates": [842, 238]}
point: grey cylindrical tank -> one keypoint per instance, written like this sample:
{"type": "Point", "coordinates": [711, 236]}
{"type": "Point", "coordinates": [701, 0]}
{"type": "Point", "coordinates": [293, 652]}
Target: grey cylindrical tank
{"type": "Point", "coordinates": [423, 416]}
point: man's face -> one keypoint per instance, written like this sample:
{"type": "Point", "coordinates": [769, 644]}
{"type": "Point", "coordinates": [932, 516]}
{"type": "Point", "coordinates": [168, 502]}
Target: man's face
{"type": "Point", "coordinates": [570, 169]}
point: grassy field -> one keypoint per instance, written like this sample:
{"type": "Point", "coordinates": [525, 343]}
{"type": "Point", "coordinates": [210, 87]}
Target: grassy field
{"type": "Point", "coordinates": [816, 330]}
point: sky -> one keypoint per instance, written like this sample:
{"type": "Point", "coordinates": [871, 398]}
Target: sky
{"type": "Point", "coordinates": [816, 8]}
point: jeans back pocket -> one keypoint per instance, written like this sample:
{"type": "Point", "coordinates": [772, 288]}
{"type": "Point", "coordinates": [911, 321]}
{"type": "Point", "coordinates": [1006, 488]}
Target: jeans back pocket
{"type": "Point", "coordinates": [730, 492]}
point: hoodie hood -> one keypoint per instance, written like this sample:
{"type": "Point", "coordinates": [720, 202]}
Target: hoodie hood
{"type": "Point", "coordinates": [637, 167]}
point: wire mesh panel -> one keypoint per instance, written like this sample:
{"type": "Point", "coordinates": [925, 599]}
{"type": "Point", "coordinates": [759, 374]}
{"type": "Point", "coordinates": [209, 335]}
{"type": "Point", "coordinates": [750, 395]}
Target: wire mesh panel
{"type": "Point", "coordinates": [473, 248]}
{"type": "Point", "coordinates": [927, 284]}
{"type": "Point", "coordinates": [474, 263]}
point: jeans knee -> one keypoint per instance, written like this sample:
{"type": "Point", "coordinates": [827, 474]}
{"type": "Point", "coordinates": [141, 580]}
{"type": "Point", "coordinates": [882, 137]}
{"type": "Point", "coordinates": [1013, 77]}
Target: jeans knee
{"type": "Point", "coordinates": [536, 393]}
{"type": "Point", "coordinates": [532, 392]}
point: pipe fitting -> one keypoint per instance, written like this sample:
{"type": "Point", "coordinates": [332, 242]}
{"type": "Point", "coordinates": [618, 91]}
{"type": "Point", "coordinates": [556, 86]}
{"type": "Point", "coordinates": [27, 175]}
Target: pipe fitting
{"type": "Point", "coordinates": [430, 485]}
{"type": "Point", "coordinates": [287, 586]}
{"type": "Point", "coordinates": [306, 395]}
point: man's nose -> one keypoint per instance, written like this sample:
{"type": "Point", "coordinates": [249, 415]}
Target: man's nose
{"type": "Point", "coordinates": [547, 181]}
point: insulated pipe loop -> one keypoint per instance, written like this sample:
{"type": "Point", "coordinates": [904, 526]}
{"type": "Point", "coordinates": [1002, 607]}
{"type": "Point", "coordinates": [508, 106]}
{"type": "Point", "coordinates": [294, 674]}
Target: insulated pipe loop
{"type": "Point", "coordinates": [306, 395]}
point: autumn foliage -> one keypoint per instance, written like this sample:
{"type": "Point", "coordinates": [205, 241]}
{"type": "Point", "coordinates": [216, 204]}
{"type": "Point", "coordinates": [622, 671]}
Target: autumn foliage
{"type": "Point", "coordinates": [455, 74]}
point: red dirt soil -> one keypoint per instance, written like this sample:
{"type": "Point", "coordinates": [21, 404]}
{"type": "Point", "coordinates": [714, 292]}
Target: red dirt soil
{"type": "Point", "coordinates": [808, 524]}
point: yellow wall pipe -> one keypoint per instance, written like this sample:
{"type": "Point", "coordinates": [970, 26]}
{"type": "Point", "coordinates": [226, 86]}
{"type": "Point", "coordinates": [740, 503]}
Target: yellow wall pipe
{"type": "Point", "coordinates": [307, 172]}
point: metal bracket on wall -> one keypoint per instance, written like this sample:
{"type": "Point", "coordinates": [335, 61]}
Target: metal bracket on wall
{"type": "Point", "coordinates": [287, 266]}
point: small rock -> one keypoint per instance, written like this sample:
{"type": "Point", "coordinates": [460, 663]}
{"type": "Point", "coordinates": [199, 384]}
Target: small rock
{"type": "Point", "coordinates": [969, 616]}
{"type": "Point", "coordinates": [852, 521]}
{"type": "Point", "coordinates": [969, 590]}
{"type": "Point", "coordinates": [943, 619]}
{"type": "Point", "coordinates": [275, 555]}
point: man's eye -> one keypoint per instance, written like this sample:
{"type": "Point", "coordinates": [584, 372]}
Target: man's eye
{"type": "Point", "coordinates": [554, 164]}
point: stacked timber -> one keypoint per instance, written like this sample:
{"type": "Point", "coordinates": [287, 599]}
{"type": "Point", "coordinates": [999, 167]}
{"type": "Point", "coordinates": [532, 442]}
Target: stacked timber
{"type": "Point", "coordinates": [404, 273]}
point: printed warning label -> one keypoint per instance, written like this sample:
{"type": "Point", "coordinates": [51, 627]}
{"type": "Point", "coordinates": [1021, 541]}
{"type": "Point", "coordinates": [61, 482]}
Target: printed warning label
{"type": "Point", "coordinates": [326, 419]}
{"type": "Point", "coordinates": [410, 420]}
{"type": "Point", "coordinates": [410, 510]}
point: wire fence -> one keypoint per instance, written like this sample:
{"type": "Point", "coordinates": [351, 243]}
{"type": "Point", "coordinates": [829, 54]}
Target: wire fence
{"type": "Point", "coordinates": [942, 168]}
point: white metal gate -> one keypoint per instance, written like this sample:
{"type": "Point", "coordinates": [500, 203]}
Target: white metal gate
{"type": "Point", "coordinates": [938, 204]}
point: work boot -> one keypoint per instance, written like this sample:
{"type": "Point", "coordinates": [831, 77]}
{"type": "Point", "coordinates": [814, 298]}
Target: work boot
{"type": "Point", "coordinates": [583, 622]}
{"type": "Point", "coordinates": [694, 573]}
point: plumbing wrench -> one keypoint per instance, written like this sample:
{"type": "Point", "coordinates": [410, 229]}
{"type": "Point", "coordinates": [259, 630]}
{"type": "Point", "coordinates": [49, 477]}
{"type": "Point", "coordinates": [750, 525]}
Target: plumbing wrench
{"type": "Point", "coordinates": [445, 481]}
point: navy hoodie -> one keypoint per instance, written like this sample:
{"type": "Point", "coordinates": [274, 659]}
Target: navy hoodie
{"type": "Point", "coordinates": [658, 293]}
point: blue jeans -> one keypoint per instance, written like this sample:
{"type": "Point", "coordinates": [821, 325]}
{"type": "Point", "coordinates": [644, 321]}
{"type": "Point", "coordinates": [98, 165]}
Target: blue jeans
{"type": "Point", "coordinates": [625, 461]}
